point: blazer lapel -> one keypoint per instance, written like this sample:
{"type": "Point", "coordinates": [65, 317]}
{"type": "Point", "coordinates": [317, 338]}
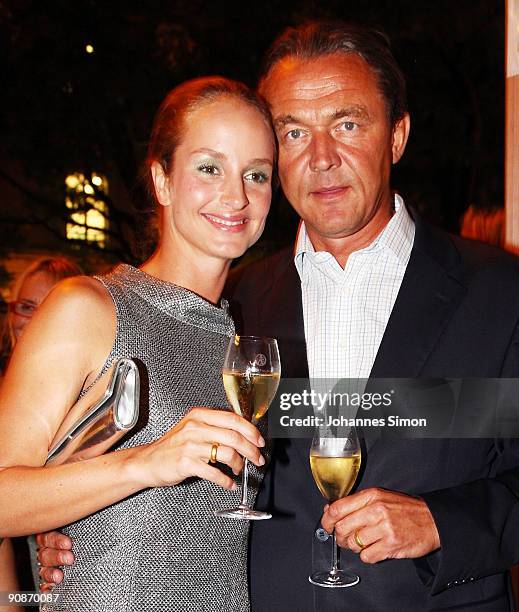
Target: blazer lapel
{"type": "Point", "coordinates": [431, 291]}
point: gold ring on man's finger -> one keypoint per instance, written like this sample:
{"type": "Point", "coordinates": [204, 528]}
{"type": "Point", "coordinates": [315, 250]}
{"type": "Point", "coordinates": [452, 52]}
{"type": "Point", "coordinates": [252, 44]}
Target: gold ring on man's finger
{"type": "Point", "coordinates": [358, 541]}
{"type": "Point", "coordinates": [214, 450]}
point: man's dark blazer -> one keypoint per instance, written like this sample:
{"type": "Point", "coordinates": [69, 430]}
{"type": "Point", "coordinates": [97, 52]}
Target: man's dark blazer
{"type": "Point", "coordinates": [456, 315]}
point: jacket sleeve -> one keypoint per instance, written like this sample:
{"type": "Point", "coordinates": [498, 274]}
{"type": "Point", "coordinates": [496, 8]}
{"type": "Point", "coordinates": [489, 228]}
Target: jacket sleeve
{"type": "Point", "coordinates": [478, 525]}
{"type": "Point", "coordinates": [478, 522]}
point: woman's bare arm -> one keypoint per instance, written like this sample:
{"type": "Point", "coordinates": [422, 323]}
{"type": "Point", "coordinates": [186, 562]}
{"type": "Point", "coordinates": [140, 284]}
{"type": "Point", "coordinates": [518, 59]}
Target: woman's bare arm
{"type": "Point", "coordinates": [65, 345]}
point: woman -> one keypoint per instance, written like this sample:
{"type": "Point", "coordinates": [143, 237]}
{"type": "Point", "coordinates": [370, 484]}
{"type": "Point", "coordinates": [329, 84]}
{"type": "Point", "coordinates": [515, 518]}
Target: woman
{"type": "Point", "coordinates": [29, 291]}
{"type": "Point", "coordinates": [149, 540]}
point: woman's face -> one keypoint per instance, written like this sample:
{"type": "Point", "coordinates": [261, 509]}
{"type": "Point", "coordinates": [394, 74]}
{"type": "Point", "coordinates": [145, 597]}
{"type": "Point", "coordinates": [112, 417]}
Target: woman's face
{"type": "Point", "coordinates": [32, 293]}
{"type": "Point", "coordinates": [217, 196]}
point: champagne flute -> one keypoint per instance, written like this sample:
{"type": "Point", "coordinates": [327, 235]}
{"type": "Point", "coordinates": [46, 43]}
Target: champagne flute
{"type": "Point", "coordinates": [335, 462]}
{"type": "Point", "coordinates": [251, 374]}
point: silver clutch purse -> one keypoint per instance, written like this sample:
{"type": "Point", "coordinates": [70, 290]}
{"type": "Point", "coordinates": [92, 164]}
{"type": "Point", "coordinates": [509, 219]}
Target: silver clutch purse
{"type": "Point", "coordinates": [89, 429]}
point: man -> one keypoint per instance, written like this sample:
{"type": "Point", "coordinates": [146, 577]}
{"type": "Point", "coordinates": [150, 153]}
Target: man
{"type": "Point", "coordinates": [370, 291]}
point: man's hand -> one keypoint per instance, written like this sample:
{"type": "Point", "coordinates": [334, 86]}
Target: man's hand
{"type": "Point", "coordinates": [390, 525]}
{"type": "Point", "coordinates": [54, 550]}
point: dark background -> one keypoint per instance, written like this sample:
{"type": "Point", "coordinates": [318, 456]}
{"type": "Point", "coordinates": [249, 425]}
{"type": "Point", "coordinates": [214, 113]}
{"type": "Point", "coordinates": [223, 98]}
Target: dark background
{"type": "Point", "coordinates": [64, 110]}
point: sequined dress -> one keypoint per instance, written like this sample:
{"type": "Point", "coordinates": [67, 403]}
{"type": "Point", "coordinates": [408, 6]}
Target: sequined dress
{"type": "Point", "coordinates": [162, 549]}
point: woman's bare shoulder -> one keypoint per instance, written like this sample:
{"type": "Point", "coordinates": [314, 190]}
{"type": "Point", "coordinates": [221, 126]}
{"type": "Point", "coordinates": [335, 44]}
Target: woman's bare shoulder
{"type": "Point", "coordinates": [79, 291]}
{"type": "Point", "coordinates": [81, 309]}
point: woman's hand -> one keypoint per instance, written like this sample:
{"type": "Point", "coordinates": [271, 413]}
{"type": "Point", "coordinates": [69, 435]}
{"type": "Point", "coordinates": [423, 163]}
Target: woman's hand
{"type": "Point", "coordinates": [185, 450]}
{"type": "Point", "coordinates": [182, 452]}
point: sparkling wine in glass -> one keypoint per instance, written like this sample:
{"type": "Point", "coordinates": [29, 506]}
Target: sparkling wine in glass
{"type": "Point", "coordinates": [251, 374]}
{"type": "Point", "coordinates": [335, 462]}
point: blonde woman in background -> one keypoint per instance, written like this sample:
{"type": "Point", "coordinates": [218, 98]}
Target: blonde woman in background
{"type": "Point", "coordinates": [29, 292]}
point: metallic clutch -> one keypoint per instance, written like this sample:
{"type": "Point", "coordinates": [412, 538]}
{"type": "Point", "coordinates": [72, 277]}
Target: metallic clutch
{"type": "Point", "coordinates": [89, 429]}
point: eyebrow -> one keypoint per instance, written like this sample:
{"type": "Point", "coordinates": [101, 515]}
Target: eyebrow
{"type": "Point", "coordinates": [220, 156]}
{"type": "Point", "coordinates": [285, 120]}
{"type": "Point", "coordinates": [355, 111]}
{"type": "Point", "coordinates": [261, 160]}
{"type": "Point", "coordinates": [211, 152]}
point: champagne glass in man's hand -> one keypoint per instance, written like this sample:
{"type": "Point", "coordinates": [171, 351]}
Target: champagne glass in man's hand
{"type": "Point", "coordinates": [335, 462]}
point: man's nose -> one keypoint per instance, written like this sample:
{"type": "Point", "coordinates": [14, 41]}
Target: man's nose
{"type": "Point", "coordinates": [323, 154]}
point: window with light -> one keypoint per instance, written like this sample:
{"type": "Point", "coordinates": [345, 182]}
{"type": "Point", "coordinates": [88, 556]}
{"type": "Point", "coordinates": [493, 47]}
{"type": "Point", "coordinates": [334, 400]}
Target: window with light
{"type": "Point", "coordinates": [88, 212]}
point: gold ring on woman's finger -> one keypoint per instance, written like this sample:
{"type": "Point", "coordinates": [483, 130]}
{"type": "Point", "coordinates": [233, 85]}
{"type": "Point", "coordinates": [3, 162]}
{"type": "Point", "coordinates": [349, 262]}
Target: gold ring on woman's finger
{"type": "Point", "coordinates": [214, 450]}
{"type": "Point", "coordinates": [358, 541]}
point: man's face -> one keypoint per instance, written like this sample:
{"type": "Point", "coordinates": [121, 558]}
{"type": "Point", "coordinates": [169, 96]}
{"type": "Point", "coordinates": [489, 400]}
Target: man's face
{"type": "Point", "coordinates": [336, 145]}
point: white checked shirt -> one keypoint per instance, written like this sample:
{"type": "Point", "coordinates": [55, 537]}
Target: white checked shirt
{"type": "Point", "coordinates": [346, 311]}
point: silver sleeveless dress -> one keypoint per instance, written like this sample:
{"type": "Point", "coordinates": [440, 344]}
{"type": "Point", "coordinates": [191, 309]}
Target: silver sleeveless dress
{"type": "Point", "coordinates": [162, 549]}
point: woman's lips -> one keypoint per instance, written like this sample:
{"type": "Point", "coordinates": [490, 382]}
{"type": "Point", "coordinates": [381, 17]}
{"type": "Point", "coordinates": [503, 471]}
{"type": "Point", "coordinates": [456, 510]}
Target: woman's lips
{"type": "Point", "coordinates": [227, 224]}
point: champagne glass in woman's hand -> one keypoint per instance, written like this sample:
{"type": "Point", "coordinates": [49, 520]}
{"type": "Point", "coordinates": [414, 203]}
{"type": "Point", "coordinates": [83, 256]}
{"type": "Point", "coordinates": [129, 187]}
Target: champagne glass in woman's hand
{"type": "Point", "coordinates": [335, 462]}
{"type": "Point", "coordinates": [251, 374]}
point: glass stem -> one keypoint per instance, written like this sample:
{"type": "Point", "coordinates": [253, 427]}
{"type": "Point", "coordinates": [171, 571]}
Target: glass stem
{"type": "Point", "coordinates": [245, 478]}
{"type": "Point", "coordinates": [335, 561]}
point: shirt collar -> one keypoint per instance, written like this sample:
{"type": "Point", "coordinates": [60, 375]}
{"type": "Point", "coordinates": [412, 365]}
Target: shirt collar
{"type": "Point", "coordinates": [397, 237]}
